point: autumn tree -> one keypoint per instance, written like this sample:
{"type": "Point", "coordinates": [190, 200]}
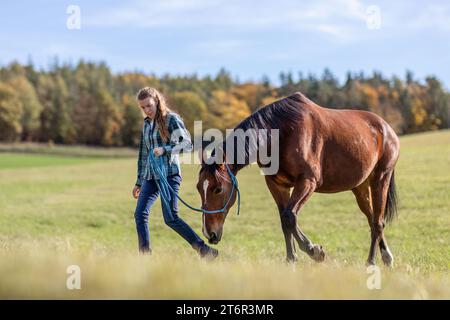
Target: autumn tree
{"type": "Point", "coordinates": [190, 106]}
{"type": "Point", "coordinates": [226, 110]}
{"type": "Point", "coordinates": [10, 113]}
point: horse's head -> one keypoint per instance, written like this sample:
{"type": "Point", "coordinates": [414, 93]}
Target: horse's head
{"type": "Point", "coordinates": [216, 191]}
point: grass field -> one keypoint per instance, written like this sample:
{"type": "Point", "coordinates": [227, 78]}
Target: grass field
{"type": "Point", "coordinates": [57, 211]}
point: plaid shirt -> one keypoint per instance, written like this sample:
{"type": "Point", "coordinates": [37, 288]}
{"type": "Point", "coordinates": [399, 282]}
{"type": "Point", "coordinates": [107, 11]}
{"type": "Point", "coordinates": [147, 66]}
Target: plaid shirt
{"type": "Point", "coordinates": [151, 139]}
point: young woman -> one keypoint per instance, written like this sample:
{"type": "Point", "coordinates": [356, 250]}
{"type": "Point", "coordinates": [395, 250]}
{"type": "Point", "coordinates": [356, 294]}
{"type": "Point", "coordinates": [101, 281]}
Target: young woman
{"type": "Point", "coordinates": [158, 137]}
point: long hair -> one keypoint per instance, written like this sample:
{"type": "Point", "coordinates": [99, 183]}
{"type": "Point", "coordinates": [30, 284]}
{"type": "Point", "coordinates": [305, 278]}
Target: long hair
{"type": "Point", "coordinates": [161, 109]}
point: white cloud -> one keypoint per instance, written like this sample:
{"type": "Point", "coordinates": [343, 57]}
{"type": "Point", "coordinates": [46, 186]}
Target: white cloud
{"type": "Point", "coordinates": [433, 17]}
{"type": "Point", "coordinates": [339, 32]}
{"type": "Point", "coordinates": [151, 14]}
{"type": "Point", "coordinates": [346, 16]}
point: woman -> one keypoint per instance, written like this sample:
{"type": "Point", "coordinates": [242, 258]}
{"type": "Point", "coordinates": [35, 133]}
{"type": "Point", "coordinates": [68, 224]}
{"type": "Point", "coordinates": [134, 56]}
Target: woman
{"type": "Point", "coordinates": [161, 135]}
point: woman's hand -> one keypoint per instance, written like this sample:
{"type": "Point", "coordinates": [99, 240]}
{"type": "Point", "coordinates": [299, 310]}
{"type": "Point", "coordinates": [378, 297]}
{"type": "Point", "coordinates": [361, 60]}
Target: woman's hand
{"type": "Point", "coordinates": [158, 151]}
{"type": "Point", "coordinates": [136, 191]}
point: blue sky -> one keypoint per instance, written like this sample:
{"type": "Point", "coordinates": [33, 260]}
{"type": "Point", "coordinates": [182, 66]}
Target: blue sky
{"type": "Point", "coordinates": [248, 38]}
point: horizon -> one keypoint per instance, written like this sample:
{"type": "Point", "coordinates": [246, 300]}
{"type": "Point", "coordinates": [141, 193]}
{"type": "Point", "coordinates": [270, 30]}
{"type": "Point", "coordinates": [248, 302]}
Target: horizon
{"type": "Point", "coordinates": [236, 79]}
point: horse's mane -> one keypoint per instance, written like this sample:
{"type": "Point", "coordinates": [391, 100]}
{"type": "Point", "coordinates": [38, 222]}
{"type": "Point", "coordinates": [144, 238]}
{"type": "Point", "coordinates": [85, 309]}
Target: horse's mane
{"type": "Point", "coordinates": [281, 114]}
{"type": "Point", "coordinates": [277, 115]}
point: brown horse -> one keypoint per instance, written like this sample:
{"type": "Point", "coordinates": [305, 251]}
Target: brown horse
{"type": "Point", "coordinates": [320, 150]}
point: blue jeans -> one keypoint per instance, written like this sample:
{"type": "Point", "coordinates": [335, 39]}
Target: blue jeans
{"type": "Point", "coordinates": [147, 197]}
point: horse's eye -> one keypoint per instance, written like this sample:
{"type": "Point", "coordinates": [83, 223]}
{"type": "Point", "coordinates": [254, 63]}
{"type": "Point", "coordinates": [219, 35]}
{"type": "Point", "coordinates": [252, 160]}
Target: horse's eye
{"type": "Point", "coordinates": [217, 190]}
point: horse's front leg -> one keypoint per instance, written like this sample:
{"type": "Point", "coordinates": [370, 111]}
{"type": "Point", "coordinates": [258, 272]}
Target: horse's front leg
{"type": "Point", "coordinates": [281, 196]}
{"type": "Point", "coordinates": [303, 189]}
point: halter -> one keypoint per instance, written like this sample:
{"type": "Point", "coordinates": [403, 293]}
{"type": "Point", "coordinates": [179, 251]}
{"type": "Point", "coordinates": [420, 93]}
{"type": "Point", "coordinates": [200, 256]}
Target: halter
{"type": "Point", "coordinates": [166, 189]}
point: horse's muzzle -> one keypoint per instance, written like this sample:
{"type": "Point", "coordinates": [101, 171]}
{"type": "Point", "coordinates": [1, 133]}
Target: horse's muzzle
{"type": "Point", "coordinates": [213, 238]}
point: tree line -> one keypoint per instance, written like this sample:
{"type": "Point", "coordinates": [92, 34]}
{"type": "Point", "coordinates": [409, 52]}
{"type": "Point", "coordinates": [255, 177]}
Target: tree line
{"type": "Point", "coordinates": [86, 103]}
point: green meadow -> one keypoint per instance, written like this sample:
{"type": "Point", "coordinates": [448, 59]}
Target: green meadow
{"type": "Point", "coordinates": [58, 210]}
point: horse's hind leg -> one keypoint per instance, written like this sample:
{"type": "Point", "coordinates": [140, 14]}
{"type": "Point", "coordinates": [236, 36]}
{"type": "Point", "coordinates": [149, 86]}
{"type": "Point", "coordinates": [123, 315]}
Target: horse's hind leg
{"type": "Point", "coordinates": [386, 254]}
{"type": "Point", "coordinates": [364, 199]}
{"type": "Point", "coordinates": [379, 186]}
{"type": "Point", "coordinates": [281, 196]}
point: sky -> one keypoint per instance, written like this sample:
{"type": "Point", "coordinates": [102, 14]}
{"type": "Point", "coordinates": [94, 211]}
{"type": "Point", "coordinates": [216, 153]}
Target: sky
{"type": "Point", "coordinates": [248, 38]}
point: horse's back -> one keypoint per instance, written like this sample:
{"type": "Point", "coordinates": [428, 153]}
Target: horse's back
{"type": "Point", "coordinates": [343, 145]}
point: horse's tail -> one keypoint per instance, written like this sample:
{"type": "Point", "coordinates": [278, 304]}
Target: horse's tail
{"type": "Point", "coordinates": [390, 211]}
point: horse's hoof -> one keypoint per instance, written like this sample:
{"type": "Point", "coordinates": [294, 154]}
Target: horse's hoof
{"type": "Point", "coordinates": [292, 259]}
{"type": "Point", "coordinates": [318, 253]}
{"type": "Point", "coordinates": [370, 263]}
{"type": "Point", "coordinates": [387, 258]}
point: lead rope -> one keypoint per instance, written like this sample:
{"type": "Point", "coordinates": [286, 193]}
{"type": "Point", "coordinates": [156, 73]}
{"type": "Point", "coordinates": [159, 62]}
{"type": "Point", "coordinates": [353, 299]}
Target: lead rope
{"type": "Point", "coordinates": [165, 188]}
